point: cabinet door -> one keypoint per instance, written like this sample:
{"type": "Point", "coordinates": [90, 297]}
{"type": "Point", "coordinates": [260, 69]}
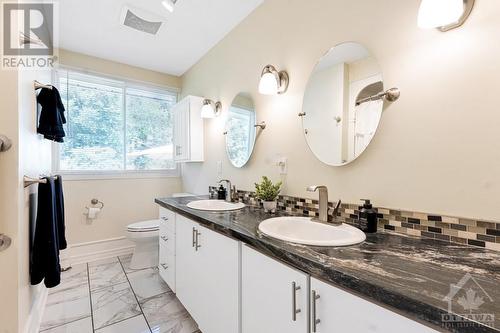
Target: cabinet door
{"type": "Point", "coordinates": [270, 303]}
{"type": "Point", "coordinates": [340, 311]}
{"type": "Point", "coordinates": [219, 281]}
{"type": "Point", "coordinates": [181, 130]}
{"type": "Point", "coordinates": [187, 272]}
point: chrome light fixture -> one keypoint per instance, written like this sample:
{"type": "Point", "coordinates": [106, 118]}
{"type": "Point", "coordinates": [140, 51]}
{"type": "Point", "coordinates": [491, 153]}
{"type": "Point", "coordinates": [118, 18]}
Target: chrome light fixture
{"type": "Point", "coordinates": [169, 5]}
{"type": "Point", "coordinates": [444, 14]}
{"type": "Point", "coordinates": [273, 82]}
{"type": "Point", "coordinates": [210, 109]}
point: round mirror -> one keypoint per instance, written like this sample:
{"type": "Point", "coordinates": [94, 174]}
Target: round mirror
{"type": "Point", "coordinates": [341, 110]}
{"type": "Point", "coordinates": [240, 130]}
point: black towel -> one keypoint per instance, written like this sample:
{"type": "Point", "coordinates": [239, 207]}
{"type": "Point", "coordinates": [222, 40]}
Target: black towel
{"type": "Point", "coordinates": [44, 263]}
{"type": "Point", "coordinates": [61, 228]}
{"type": "Point", "coordinates": [52, 115]}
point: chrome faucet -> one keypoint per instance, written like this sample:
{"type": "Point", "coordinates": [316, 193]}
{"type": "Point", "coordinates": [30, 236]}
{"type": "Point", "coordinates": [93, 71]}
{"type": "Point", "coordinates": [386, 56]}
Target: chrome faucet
{"type": "Point", "coordinates": [229, 189]}
{"type": "Point", "coordinates": [323, 201]}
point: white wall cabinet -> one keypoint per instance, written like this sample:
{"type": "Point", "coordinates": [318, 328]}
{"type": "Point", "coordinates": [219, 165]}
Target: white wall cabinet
{"type": "Point", "coordinates": [207, 276]}
{"type": "Point", "coordinates": [336, 310]}
{"type": "Point", "coordinates": [188, 130]}
{"type": "Point", "coordinates": [274, 296]}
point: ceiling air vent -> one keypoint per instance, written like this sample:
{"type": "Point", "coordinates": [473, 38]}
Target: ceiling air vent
{"type": "Point", "coordinates": [130, 18]}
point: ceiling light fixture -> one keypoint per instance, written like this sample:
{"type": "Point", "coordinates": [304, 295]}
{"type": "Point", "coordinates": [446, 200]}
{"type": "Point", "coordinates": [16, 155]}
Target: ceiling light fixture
{"type": "Point", "coordinates": [210, 109]}
{"type": "Point", "coordinates": [444, 14]}
{"type": "Point", "coordinates": [273, 82]}
{"type": "Point", "coordinates": [169, 5]}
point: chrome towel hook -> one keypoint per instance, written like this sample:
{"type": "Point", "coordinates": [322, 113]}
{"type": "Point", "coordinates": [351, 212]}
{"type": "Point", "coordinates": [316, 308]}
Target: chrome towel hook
{"type": "Point", "coordinates": [95, 202]}
{"type": "Point", "coordinates": [5, 143]}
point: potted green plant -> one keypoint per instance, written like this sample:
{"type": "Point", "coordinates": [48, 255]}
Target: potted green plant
{"type": "Point", "coordinates": [268, 193]}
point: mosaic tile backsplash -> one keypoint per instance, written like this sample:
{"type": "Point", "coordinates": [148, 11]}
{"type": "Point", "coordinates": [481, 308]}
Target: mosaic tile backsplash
{"type": "Point", "coordinates": [451, 229]}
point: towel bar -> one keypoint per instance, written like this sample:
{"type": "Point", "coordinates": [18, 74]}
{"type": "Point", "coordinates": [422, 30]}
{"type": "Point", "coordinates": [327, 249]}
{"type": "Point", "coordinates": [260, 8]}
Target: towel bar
{"type": "Point", "coordinates": [39, 85]}
{"type": "Point", "coordinates": [30, 181]}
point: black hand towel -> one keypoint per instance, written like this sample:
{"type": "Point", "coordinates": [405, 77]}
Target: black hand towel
{"type": "Point", "coordinates": [61, 228]}
{"type": "Point", "coordinates": [45, 251]}
{"type": "Point", "coordinates": [52, 115]}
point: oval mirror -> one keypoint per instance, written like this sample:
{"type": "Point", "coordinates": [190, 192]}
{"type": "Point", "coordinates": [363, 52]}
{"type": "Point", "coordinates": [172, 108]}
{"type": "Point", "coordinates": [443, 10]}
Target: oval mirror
{"type": "Point", "coordinates": [338, 119]}
{"type": "Point", "coordinates": [240, 130]}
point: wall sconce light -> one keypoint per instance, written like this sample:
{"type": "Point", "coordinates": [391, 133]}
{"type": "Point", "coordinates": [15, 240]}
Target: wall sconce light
{"type": "Point", "coordinates": [444, 14]}
{"type": "Point", "coordinates": [273, 82]}
{"type": "Point", "coordinates": [210, 109]}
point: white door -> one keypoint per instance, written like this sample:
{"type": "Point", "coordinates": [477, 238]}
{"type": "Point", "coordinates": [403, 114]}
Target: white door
{"type": "Point", "coordinates": [274, 296]}
{"type": "Point", "coordinates": [218, 274]}
{"type": "Point", "coordinates": [187, 263]}
{"type": "Point", "coordinates": [336, 310]}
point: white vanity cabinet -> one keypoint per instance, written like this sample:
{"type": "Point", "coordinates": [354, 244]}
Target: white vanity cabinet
{"type": "Point", "coordinates": [188, 130]}
{"type": "Point", "coordinates": [274, 296]}
{"type": "Point", "coordinates": [166, 265]}
{"type": "Point", "coordinates": [207, 276]}
{"type": "Point", "coordinates": [336, 310]}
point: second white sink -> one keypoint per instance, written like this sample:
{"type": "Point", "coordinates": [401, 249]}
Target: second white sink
{"type": "Point", "coordinates": [304, 230]}
{"type": "Point", "coordinates": [215, 205]}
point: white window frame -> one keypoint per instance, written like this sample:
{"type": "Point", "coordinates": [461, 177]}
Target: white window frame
{"type": "Point", "coordinates": [111, 174]}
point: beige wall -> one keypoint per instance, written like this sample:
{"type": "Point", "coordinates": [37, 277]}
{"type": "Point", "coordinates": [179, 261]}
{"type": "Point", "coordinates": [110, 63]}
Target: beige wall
{"type": "Point", "coordinates": [437, 148]}
{"type": "Point", "coordinates": [108, 67]}
{"type": "Point", "coordinates": [126, 200]}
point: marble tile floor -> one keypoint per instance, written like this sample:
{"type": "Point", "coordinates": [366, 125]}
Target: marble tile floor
{"type": "Point", "coordinates": [106, 296]}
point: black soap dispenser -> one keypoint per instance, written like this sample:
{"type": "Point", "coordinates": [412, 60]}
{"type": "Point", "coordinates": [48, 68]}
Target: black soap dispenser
{"type": "Point", "coordinates": [221, 193]}
{"type": "Point", "coordinates": [367, 217]}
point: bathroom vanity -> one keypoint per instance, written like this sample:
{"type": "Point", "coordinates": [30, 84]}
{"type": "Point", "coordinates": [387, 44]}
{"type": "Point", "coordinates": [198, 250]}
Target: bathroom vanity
{"type": "Point", "coordinates": [231, 278]}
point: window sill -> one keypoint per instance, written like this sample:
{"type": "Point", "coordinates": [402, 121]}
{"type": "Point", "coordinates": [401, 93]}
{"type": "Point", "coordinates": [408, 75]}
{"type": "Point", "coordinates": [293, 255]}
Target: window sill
{"type": "Point", "coordinates": [96, 175]}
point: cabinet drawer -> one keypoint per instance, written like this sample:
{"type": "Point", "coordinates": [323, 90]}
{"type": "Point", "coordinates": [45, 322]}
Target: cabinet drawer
{"type": "Point", "coordinates": [167, 219]}
{"type": "Point", "coordinates": [167, 267]}
{"type": "Point", "coordinates": [167, 240]}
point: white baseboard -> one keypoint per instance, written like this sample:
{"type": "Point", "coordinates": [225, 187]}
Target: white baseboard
{"type": "Point", "coordinates": [35, 318]}
{"type": "Point", "coordinates": [91, 251]}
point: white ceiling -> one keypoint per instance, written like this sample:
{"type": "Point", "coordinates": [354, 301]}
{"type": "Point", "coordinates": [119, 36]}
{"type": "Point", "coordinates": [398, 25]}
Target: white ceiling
{"type": "Point", "coordinates": [93, 27]}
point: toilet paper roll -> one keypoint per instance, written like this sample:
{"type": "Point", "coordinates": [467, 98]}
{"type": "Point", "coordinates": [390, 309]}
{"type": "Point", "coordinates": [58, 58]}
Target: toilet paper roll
{"type": "Point", "coordinates": [92, 212]}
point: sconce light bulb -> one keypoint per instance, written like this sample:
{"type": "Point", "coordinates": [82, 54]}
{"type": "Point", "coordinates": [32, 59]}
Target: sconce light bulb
{"type": "Point", "coordinates": [268, 84]}
{"type": "Point", "coordinates": [439, 13]}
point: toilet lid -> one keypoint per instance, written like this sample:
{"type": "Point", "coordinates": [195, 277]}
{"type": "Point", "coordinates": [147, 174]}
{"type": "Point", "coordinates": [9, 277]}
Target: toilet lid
{"type": "Point", "coordinates": [150, 225]}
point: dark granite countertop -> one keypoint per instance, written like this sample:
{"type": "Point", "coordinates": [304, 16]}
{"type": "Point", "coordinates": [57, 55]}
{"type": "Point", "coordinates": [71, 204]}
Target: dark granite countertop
{"type": "Point", "coordinates": [409, 275]}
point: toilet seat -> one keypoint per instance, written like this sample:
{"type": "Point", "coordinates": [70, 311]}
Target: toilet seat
{"type": "Point", "coordinates": [144, 226]}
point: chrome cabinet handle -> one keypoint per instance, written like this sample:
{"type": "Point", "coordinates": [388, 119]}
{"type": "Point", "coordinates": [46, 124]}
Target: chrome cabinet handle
{"type": "Point", "coordinates": [197, 246]}
{"type": "Point", "coordinates": [164, 218]}
{"type": "Point", "coordinates": [165, 266]}
{"type": "Point", "coordinates": [194, 237]}
{"type": "Point", "coordinates": [294, 301]}
{"type": "Point", "coordinates": [315, 321]}
{"type": "Point", "coordinates": [164, 238]}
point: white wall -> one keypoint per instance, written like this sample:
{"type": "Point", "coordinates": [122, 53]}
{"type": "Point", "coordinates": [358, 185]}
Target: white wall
{"type": "Point", "coordinates": [437, 148]}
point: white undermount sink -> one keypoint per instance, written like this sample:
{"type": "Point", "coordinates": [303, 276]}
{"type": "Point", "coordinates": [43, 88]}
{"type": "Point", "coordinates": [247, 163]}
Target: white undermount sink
{"type": "Point", "coordinates": [215, 205]}
{"type": "Point", "coordinates": [304, 230]}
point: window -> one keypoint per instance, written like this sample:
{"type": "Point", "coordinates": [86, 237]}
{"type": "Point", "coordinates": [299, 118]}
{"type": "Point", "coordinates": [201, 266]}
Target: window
{"type": "Point", "coordinates": [114, 126]}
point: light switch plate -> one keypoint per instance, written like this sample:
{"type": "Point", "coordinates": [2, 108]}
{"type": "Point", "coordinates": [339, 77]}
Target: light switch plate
{"type": "Point", "coordinates": [219, 168]}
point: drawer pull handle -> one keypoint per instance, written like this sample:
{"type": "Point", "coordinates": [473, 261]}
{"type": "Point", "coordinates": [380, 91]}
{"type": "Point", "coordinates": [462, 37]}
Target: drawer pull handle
{"type": "Point", "coordinates": [194, 237]}
{"type": "Point", "coordinates": [295, 288]}
{"type": "Point", "coordinates": [315, 321]}
{"type": "Point", "coordinates": [165, 266]}
{"type": "Point", "coordinates": [164, 238]}
{"type": "Point", "coordinates": [164, 218]}
{"type": "Point", "coordinates": [197, 245]}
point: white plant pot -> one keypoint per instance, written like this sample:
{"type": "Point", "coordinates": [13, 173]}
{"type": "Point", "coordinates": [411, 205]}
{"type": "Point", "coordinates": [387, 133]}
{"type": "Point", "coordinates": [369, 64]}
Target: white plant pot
{"type": "Point", "coordinates": [270, 206]}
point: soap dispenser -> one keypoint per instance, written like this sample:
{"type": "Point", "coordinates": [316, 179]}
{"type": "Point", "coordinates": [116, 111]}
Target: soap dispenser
{"type": "Point", "coordinates": [221, 193]}
{"type": "Point", "coordinates": [367, 217]}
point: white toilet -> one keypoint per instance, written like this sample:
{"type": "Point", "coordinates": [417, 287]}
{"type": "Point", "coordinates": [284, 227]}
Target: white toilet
{"type": "Point", "coordinates": [145, 236]}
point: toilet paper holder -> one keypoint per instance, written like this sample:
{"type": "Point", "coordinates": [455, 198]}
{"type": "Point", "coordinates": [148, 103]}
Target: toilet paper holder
{"type": "Point", "coordinates": [96, 202]}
